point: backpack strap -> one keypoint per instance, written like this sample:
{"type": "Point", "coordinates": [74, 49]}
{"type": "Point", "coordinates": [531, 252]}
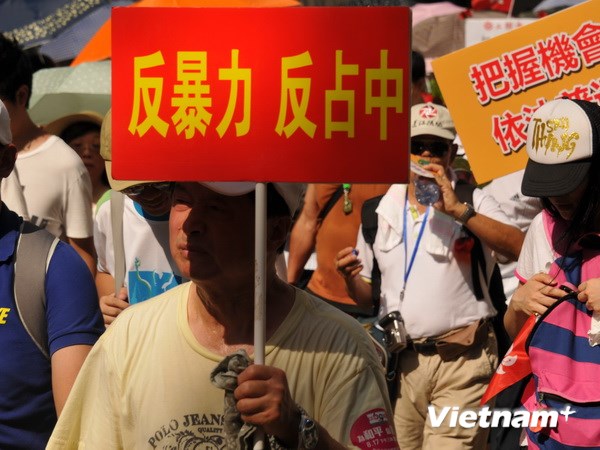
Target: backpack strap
{"type": "Point", "coordinates": [35, 248]}
{"type": "Point", "coordinates": [117, 206]}
{"type": "Point", "coordinates": [369, 231]}
{"type": "Point", "coordinates": [332, 201]}
{"type": "Point", "coordinates": [464, 192]}
{"type": "Point", "coordinates": [495, 286]}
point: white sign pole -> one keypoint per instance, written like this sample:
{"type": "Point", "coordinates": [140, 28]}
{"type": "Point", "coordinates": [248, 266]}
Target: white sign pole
{"type": "Point", "coordinates": [260, 294]}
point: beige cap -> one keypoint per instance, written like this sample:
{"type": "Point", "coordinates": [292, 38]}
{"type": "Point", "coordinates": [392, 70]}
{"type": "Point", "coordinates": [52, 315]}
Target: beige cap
{"type": "Point", "coordinates": [106, 153]}
{"type": "Point", "coordinates": [59, 125]}
{"type": "Point", "coordinates": [431, 119]}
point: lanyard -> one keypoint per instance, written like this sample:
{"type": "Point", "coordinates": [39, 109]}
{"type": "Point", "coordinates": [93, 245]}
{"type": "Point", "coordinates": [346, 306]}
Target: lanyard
{"type": "Point", "coordinates": [408, 266]}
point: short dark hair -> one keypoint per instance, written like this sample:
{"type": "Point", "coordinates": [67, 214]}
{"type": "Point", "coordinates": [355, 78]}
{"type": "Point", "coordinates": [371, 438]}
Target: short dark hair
{"type": "Point", "coordinates": [78, 129]}
{"type": "Point", "coordinates": [15, 69]}
{"type": "Point", "coordinates": [418, 66]}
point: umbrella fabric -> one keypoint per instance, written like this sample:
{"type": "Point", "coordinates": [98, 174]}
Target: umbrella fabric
{"type": "Point", "coordinates": [99, 47]}
{"type": "Point", "coordinates": [423, 11]}
{"type": "Point", "coordinates": [34, 22]}
{"type": "Point", "coordinates": [71, 40]}
{"type": "Point", "coordinates": [63, 91]}
{"type": "Point", "coordinates": [439, 35]}
{"type": "Point", "coordinates": [16, 13]}
{"type": "Point", "coordinates": [547, 5]}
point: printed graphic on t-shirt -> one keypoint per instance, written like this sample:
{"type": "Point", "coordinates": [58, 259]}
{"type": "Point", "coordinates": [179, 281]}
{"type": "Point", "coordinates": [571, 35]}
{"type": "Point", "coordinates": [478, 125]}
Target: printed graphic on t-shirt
{"type": "Point", "coordinates": [145, 284]}
{"type": "Point", "coordinates": [197, 431]}
{"type": "Point", "coordinates": [373, 430]}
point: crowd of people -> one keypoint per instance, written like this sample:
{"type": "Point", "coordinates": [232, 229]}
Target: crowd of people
{"type": "Point", "coordinates": [147, 296]}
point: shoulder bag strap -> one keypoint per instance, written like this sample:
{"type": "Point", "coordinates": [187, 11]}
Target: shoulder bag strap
{"type": "Point", "coordinates": [35, 248]}
{"type": "Point", "coordinates": [117, 206]}
{"type": "Point", "coordinates": [332, 201]}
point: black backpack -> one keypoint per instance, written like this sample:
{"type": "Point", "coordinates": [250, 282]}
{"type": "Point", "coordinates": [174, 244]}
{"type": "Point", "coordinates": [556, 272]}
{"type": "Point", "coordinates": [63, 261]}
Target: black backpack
{"type": "Point", "coordinates": [464, 192]}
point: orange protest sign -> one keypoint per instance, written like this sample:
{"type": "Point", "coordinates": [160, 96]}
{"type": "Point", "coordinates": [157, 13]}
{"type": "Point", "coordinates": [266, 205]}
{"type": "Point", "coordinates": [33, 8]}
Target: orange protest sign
{"type": "Point", "coordinates": [493, 88]}
{"type": "Point", "coordinates": [261, 94]}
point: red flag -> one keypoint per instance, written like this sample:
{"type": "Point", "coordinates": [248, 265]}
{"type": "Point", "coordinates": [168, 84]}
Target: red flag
{"type": "Point", "coordinates": [514, 366]}
{"type": "Point", "coordinates": [492, 5]}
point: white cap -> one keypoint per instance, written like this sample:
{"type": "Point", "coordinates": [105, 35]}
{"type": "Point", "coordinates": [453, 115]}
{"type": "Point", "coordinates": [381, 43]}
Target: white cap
{"type": "Point", "coordinates": [292, 193]}
{"type": "Point", "coordinates": [431, 119]}
{"type": "Point", "coordinates": [5, 134]}
{"type": "Point", "coordinates": [562, 137]}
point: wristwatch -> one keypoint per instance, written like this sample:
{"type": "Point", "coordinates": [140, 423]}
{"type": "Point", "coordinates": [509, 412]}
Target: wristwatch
{"type": "Point", "coordinates": [469, 212]}
{"type": "Point", "coordinates": [308, 434]}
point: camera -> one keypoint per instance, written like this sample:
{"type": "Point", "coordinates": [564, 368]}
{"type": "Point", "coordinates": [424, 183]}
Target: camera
{"type": "Point", "coordinates": [394, 333]}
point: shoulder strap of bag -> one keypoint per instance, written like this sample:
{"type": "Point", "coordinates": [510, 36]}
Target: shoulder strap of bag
{"type": "Point", "coordinates": [495, 286]}
{"type": "Point", "coordinates": [117, 206]}
{"type": "Point", "coordinates": [332, 201]}
{"type": "Point", "coordinates": [369, 231]}
{"type": "Point", "coordinates": [35, 248]}
{"type": "Point", "coordinates": [464, 192]}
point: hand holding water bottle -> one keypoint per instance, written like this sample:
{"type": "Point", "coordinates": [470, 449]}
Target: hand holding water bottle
{"type": "Point", "coordinates": [433, 187]}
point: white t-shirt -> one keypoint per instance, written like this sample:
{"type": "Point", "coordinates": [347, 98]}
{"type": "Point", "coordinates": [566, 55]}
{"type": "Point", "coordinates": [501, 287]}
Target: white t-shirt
{"type": "Point", "coordinates": [56, 187]}
{"type": "Point", "coordinates": [536, 254]}
{"type": "Point", "coordinates": [13, 193]}
{"type": "Point", "coordinates": [150, 269]}
{"type": "Point", "coordinates": [438, 295]}
{"type": "Point", "coordinates": [146, 383]}
{"type": "Point", "coordinates": [520, 209]}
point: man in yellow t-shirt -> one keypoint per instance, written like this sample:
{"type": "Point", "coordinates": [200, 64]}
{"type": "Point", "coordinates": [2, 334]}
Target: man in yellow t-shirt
{"type": "Point", "coordinates": [147, 384]}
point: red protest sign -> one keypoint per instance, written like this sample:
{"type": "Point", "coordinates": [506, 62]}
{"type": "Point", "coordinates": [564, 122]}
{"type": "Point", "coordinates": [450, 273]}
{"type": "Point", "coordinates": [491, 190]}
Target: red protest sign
{"type": "Point", "coordinates": [261, 94]}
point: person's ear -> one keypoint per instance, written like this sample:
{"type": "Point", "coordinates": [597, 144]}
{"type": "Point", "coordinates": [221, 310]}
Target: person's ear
{"type": "Point", "coordinates": [22, 96]}
{"type": "Point", "coordinates": [453, 150]}
{"type": "Point", "coordinates": [8, 156]}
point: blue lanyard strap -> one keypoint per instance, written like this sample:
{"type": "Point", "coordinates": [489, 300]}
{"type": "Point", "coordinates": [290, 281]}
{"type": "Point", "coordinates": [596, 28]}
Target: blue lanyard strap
{"type": "Point", "coordinates": [408, 266]}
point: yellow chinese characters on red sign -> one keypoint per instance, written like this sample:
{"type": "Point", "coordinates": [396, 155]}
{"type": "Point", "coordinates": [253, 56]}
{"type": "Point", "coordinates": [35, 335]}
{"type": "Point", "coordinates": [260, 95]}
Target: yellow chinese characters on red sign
{"type": "Point", "coordinates": [493, 88]}
{"type": "Point", "coordinates": [279, 94]}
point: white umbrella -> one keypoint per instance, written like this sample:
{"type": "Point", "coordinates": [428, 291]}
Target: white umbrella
{"type": "Point", "coordinates": [62, 91]}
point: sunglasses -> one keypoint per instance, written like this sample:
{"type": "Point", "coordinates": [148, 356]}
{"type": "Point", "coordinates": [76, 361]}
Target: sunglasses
{"type": "Point", "coordinates": [436, 148]}
{"type": "Point", "coordinates": [137, 189]}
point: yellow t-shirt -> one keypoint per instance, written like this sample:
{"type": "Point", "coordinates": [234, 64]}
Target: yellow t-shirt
{"type": "Point", "coordinates": [146, 383]}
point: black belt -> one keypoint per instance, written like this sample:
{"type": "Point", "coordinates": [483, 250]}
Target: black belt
{"type": "Point", "coordinates": [426, 348]}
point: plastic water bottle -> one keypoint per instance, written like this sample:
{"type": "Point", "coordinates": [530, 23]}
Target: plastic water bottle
{"type": "Point", "coordinates": [427, 191]}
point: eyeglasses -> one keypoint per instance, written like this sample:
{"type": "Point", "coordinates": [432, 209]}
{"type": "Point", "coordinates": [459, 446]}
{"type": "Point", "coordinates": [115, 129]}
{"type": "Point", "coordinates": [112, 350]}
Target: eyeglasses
{"type": "Point", "coordinates": [436, 148]}
{"type": "Point", "coordinates": [137, 189]}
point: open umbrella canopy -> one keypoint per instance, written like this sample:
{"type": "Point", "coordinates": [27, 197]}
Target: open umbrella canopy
{"type": "Point", "coordinates": [16, 13]}
{"type": "Point", "coordinates": [67, 44]}
{"type": "Point", "coordinates": [35, 22]}
{"type": "Point", "coordinates": [99, 47]}
{"type": "Point", "coordinates": [63, 91]}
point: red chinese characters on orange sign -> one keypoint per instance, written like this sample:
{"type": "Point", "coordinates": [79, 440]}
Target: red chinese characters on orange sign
{"type": "Point", "coordinates": [524, 68]}
{"type": "Point", "coordinates": [527, 67]}
{"type": "Point", "coordinates": [330, 106]}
